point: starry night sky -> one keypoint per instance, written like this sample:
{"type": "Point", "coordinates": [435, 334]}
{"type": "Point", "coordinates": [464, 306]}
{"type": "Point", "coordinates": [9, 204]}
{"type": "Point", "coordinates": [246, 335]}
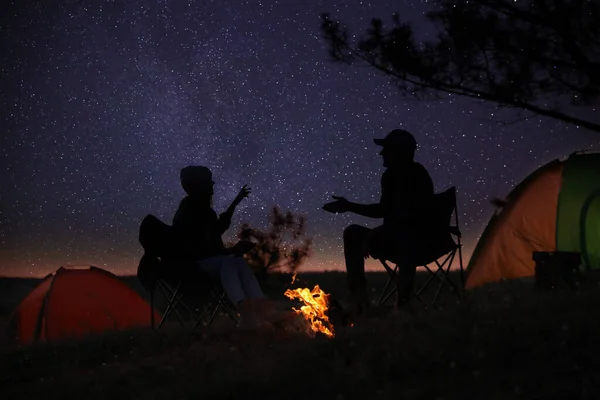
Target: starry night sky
{"type": "Point", "coordinates": [103, 104]}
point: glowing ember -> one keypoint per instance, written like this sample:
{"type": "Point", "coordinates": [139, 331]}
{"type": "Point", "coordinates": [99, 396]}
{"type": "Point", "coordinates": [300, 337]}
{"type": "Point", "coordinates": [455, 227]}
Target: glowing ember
{"type": "Point", "coordinates": [314, 309]}
{"type": "Point", "coordinates": [294, 277]}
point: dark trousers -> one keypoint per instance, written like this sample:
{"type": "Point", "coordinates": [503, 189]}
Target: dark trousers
{"type": "Point", "coordinates": [358, 238]}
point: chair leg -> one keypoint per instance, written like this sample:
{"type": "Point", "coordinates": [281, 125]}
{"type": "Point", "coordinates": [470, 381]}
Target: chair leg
{"type": "Point", "coordinates": [214, 313]}
{"type": "Point", "coordinates": [432, 276]}
{"type": "Point", "coordinates": [217, 300]}
{"type": "Point", "coordinates": [168, 310]}
{"type": "Point", "coordinates": [387, 297]}
{"type": "Point", "coordinates": [202, 316]}
{"type": "Point", "coordinates": [383, 298]}
{"type": "Point", "coordinates": [462, 269]}
{"type": "Point", "coordinates": [228, 307]}
{"type": "Point", "coordinates": [173, 300]}
{"type": "Point", "coordinates": [211, 308]}
{"type": "Point", "coordinates": [446, 277]}
{"type": "Point", "coordinates": [393, 278]}
{"type": "Point", "coordinates": [441, 274]}
{"type": "Point", "coordinates": [460, 260]}
{"type": "Point", "coordinates": [152, 308]}
{"type": "Point", "coordinates": [454, 286]}
{"type": "Point", "coordinates": [417, 294]}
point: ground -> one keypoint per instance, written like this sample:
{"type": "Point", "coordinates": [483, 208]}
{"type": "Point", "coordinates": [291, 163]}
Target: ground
{"type": "Point", "coordinates": [508, 340]}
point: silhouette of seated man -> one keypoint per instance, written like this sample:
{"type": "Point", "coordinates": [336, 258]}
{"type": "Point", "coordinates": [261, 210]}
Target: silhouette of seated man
{"type": "Point", "coordinates": [200, 229]}
{"type": "Point", "coordinates": [406, 197]}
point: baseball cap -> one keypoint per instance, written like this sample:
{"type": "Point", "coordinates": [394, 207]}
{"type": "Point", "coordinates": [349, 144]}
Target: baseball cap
{"type": "Point", "coordinates": [397, 138]}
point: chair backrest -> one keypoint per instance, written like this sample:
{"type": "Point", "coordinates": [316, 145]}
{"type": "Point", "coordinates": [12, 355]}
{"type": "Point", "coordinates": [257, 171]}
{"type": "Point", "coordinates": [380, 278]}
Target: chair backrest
{"type": "Point", "coordinates": [157, 238]}
{"type": "Point", "coordinates": [439, 241]}
{"type": "Point", "coordinates": [445, 206]}
{"type": "Point", "coordinates": [164, 256]}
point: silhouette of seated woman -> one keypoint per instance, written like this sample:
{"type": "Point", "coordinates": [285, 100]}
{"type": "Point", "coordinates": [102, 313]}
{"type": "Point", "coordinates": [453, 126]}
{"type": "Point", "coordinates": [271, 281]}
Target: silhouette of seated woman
{"type": "Point", "coordinates": [406, 197]}
{"type": "Point", "coordinates": [200, 230]}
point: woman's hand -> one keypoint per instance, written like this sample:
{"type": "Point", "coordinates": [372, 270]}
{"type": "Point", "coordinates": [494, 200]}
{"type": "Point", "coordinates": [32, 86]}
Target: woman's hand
{"type": "Point", "coordinates": [244, 192]}
{"type": "Point", "coordinates": [242, 247]}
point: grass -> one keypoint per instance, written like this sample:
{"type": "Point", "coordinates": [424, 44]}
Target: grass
{"type": "Point", "coordinates": [504, 341]}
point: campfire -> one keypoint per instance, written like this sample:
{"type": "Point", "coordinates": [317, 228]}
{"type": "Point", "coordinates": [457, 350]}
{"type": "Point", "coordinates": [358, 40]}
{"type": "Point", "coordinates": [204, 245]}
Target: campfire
{"type": "Point", "coordinates": [314, 310]}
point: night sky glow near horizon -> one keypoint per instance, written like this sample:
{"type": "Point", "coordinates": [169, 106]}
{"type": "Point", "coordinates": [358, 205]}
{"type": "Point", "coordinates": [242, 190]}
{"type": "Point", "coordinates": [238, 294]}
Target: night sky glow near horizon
{"type": "Point", "coordinates": [103, 104]}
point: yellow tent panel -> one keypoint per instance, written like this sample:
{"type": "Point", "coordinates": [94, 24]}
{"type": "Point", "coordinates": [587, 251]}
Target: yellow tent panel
{"type": "Point", "coordinates": [527, 223]}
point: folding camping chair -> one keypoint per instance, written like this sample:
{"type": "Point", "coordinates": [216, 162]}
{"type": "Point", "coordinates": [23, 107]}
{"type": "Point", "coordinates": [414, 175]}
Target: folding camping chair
{"type": "Point", "coordinates": [442, 245]}
{"type": "Point", "coordinates": [164, 268]}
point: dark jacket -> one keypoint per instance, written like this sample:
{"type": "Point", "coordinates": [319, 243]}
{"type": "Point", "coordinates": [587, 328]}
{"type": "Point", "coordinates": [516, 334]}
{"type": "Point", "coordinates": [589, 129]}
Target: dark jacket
{"type": "Point", "coordinates": [406, 195]}
{"type": "Point", "coordinates": [199, 228]}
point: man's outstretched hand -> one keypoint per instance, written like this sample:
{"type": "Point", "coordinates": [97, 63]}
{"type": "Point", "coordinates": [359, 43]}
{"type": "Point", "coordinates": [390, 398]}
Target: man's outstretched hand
{"type": "Point", "coordinates": [340, 205]}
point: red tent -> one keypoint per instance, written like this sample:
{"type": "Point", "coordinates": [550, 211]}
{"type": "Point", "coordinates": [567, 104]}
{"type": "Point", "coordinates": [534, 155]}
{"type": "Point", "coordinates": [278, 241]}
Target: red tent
{"type": "Point", "coordinates": [77, 302]}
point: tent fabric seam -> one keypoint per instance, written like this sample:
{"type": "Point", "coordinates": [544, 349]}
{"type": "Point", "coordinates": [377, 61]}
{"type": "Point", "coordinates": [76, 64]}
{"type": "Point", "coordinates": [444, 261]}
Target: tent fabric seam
{"type": "Point", "coordinates": [582, 218]}
{"type": "Point", "coordinates": [42, 312]}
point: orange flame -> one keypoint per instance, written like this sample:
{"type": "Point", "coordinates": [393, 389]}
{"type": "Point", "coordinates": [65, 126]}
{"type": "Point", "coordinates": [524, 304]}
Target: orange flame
{"type": "Point", "coordinates": [314, 309]}
{"type": "Point", "coordinates": [294, 277]}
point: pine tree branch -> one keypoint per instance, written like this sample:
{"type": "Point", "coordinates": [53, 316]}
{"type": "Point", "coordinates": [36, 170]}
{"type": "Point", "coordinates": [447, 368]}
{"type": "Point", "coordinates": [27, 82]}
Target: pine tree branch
{"type": "Point", "coordinates": [480, 95]}
{"type": "Point", "coordinates": [467, 85]}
